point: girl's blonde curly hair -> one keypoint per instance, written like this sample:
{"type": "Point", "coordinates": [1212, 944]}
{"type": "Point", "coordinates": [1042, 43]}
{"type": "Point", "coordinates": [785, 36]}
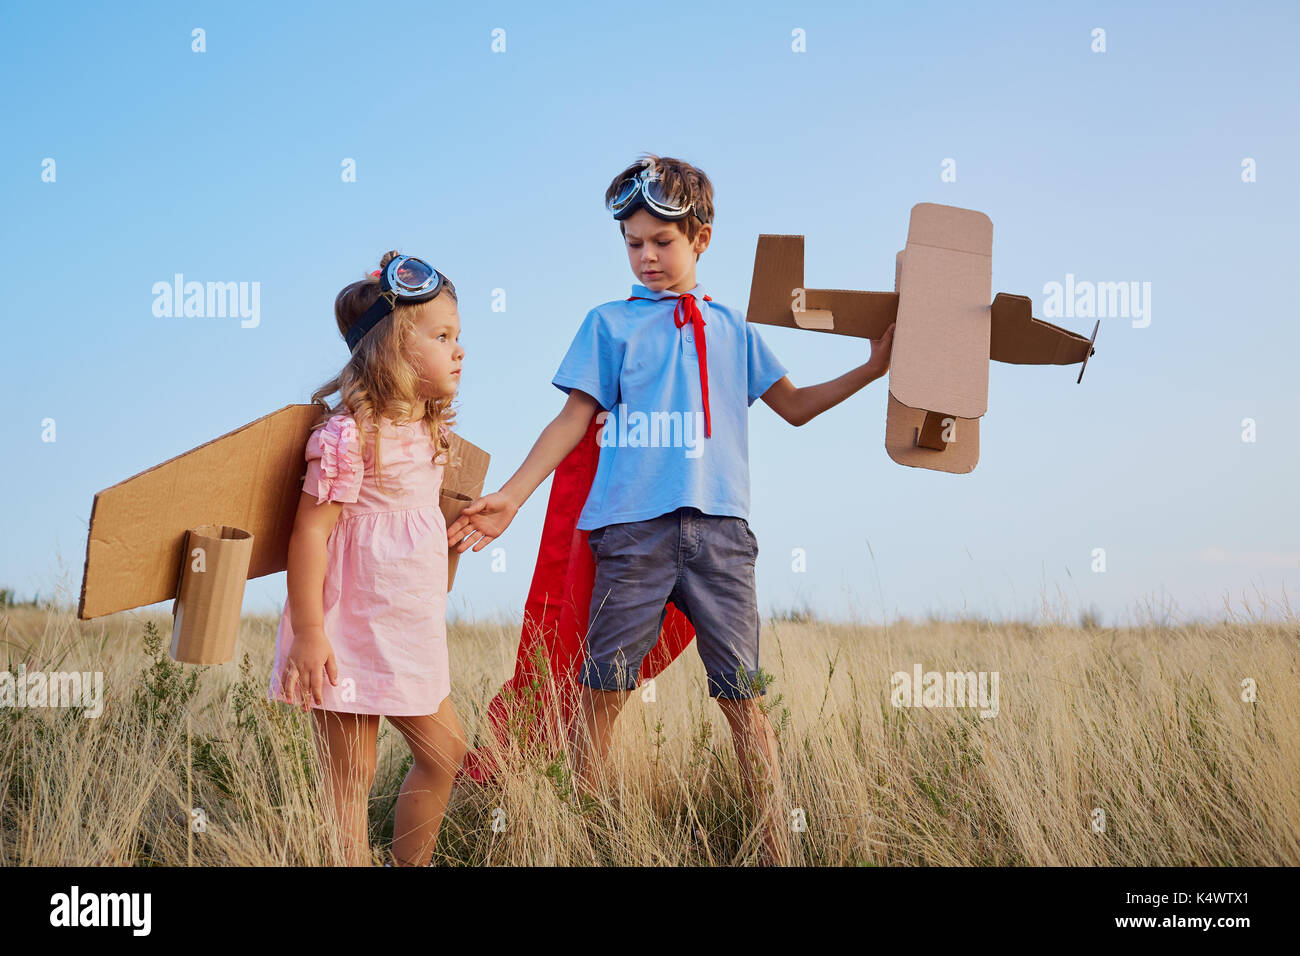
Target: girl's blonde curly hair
{"type": "Point", "coordinates": [379, 379]}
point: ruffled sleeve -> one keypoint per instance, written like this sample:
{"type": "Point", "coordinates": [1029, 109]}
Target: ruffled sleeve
{"type": "Point", "coordinates": [334, 466]}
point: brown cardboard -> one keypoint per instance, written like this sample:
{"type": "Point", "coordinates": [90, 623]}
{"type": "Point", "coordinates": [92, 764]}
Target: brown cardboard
{"type": "Point", "coordinates": [250, 479]}
{"type": "Point", "coordinates": [946, 330]}
{"type": "Point", "coordinates": [903, 429]}
{"type": "Point", "coordinates": [462, 482]}
{"type": "Point", "coordinates": [467, 467]}
{"type": "Point", "coordinates": [1020, 339]}
{"type": "Point", "coordinates": [778, 275]}
{"type": "Point", "coordinates": [210, 593]}
{"type": "Point", "coordinates": [452, 504]}
{"type": "Point", "coordinates": [940, 360]}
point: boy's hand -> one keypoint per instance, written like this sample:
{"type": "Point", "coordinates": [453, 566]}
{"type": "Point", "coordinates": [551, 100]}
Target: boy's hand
{"type": "Point", "coordinates": [489, 516]}
{"type": "Point", "coordinates": [881, 349]}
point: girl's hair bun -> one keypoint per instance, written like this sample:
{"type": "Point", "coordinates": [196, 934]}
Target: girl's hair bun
{"type": "Point", "coordinates": [388, 257]}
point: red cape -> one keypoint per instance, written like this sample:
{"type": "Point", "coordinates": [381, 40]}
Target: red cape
{"type": "Point", "coordinates": [534, 707]}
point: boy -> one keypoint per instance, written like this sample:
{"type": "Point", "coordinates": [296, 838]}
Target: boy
{"type": "Point", "coordinates": [667, 518]}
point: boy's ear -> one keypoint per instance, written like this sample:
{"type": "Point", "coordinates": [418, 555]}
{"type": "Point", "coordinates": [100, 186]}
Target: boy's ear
{"type": "Point", "coordinates": [702, 238]}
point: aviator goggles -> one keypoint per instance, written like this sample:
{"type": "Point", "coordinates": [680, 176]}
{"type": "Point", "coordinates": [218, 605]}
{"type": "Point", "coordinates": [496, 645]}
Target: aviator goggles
{"type": "Point", "coordinates": [405, 279]}
{"type": "Point", "coordinates": [646, 189]}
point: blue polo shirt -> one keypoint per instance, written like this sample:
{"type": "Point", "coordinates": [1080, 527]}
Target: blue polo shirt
{"type": "Point", "coordinates": [643, 370]}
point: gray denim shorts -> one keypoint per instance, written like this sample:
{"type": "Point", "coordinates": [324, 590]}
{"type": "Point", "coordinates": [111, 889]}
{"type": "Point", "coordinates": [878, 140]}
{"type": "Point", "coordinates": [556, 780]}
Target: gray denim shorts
{"type": "Point", "coordinates": [704, 564]}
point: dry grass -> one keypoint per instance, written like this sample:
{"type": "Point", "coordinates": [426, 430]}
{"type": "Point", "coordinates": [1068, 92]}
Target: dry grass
{"type": "Point", "coordinates": [1146, 724]}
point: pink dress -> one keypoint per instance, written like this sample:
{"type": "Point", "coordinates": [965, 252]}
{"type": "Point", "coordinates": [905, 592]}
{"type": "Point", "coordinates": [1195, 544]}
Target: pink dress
{"type": "Point", "coordinates": [385, 597]}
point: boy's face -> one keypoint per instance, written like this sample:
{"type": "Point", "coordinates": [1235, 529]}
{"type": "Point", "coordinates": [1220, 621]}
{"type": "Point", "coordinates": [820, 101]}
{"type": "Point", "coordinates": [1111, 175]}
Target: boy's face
{"type": "Point", "coordinates": [433, 347]}
{"type": "Point", "coordinates": [661, 256]}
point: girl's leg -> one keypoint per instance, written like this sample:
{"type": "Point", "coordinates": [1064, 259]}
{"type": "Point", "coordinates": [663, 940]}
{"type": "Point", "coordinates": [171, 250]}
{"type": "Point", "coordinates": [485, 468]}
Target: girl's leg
{"type": "Point", "coordinates": [346, 746]}
{"type": "Point", "coordinates": [438, 746]}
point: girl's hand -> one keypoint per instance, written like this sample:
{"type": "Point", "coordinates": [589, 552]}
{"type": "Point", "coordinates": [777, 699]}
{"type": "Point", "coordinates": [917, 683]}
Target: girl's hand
{"type": "Point", "coordinates": [881, 349]}
{"type": "Point", "coordinates": [310, 657]}
{"type": "Point", "coordinates": [489, 516]}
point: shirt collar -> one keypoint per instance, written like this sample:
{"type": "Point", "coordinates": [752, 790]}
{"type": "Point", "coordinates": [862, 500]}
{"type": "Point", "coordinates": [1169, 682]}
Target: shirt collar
{"type": "Point", "coordinates": [644, 293]}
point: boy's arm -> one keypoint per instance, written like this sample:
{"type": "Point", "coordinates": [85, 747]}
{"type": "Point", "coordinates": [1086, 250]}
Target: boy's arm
{"type": "Point", "coordinates": [492, 514]}
{"type": "Point", "coordinates": [798, 406]}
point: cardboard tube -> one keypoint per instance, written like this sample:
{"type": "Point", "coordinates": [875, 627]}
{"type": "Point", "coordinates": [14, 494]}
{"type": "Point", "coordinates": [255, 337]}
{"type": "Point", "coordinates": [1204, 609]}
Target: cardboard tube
{"type": "Point", "coordinates": [210, 594]}
{"type": "Point", "coordinates": [452, 504]}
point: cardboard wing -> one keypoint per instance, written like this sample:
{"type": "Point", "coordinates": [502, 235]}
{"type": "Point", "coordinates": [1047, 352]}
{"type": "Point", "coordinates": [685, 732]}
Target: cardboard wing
{"type": "Point", "coordinates": [946, 330]}
{"type": "Point", "coordinates": [249, 479]}
{"type": "Point", "coordinates": [939, 369]}
{"type": "Point", "coordinates": [777, 296]}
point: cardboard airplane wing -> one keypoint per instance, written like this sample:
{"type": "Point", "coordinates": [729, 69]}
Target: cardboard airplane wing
{"type": "Point", "coordinates": [946, 330]}
{"type": "Point", "coordinates": [249, 479]}
{"type": "Point", "coordinates": [939, 368]}
{"type": "Point", "coordinates": [777, 296]}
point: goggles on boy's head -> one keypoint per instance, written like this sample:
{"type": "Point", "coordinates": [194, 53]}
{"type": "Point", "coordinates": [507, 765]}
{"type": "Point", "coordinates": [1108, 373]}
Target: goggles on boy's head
{"type": "Point", "coordinates": [646, 189]}
{"type": "Point", "coordinates": [405, 279]}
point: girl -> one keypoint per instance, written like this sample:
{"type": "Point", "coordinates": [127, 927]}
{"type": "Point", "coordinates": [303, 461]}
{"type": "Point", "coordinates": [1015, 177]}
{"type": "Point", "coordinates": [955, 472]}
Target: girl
{"type": "Point", "coordinates": [364, 632]}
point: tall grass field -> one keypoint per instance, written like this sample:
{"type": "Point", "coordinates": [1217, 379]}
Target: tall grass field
{"type": "Point", "coordinates": [1156, 745]}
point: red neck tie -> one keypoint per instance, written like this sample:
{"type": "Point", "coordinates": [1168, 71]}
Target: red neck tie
{"type": "Point", "coordinates": [688, 311]}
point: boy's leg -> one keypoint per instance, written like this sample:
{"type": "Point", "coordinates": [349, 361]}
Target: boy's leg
{"type": "Point", "coordinates": [345, 744]}
{"type": "Point", "coordinates": [438, 745]}
{"type": "Point", "coordinates": [760, 770]}
{"type": "Point", "coordinates": [636, 565]}
{"type": "Point", "coordinates": [592, 728]}
{"type": "Point", "coordinates": [718, 595]}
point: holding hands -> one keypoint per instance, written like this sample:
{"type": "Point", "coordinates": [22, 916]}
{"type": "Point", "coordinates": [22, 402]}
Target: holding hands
{"type": "Point", "coordinates": [482, 521]}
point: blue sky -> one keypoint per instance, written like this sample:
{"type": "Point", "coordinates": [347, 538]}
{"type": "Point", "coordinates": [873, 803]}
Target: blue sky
{"type": "Point", "coordinates": [1115, 166]}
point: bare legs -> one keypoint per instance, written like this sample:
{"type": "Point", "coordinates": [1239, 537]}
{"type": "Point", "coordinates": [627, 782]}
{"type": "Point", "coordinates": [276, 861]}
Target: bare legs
{"type": "Point", "coordinates": [438, 745]}
{"type": "Point", "coordinates": [751, 735]}
{"type": "Point", "coordinates": [592, 727]}
{"type": "Point", "coordinates": [346, 745]}
{"type": "Point", "coordinates": [760, 770]}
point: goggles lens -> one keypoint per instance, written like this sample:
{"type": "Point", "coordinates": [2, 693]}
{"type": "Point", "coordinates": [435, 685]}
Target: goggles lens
{"type": "Point", "coordinates": [658, 197]}
{"type": "Point", "coordinates": [625, 194]}
{"type": "Point", "coordinates": [414, 274]}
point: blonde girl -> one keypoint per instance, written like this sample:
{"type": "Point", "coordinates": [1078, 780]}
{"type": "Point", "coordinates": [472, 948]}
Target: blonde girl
{"type": "Point", "coordinates": [363, 634]}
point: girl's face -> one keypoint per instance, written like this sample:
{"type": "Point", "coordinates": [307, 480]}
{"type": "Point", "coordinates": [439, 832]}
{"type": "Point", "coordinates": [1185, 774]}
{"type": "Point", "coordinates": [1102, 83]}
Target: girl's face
{"type": "Point", "coordinates": [434, 349]}
{"type": "Point", "coordinates": [659, 253]}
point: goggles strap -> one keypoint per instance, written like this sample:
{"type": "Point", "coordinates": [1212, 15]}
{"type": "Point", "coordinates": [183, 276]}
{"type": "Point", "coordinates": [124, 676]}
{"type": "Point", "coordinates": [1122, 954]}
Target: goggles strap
{"type": "Point", "coordinates": [384, 305]}
{"type": "Point", "coordinates": [381, 307]}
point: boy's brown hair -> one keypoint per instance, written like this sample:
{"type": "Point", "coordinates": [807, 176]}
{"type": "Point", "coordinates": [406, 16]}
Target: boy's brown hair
{"type": "Point", "coordinates": [682, 181]}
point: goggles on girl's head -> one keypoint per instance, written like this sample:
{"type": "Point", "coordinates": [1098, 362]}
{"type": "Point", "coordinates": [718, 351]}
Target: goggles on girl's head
{"type": "Point", "coordinates": [646, 189]}
{"type": "Point", "coordinates": [405, 279]}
